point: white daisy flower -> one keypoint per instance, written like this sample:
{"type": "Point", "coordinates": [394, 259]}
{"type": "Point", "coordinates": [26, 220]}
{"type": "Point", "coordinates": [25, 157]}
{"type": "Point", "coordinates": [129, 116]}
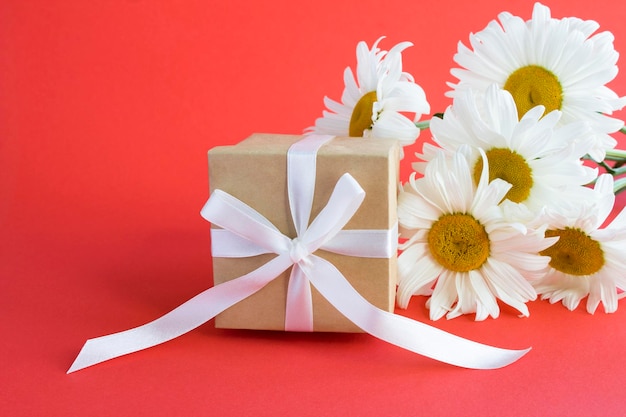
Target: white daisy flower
{"type": "Point", "coordinates": [533, 154]}
{"type": "Point", "coordinates": [553, 62]}
{"type": "Point", "coordinates": [375, 102]}
{"type": "Point", "coordinates": [586, 261]}
{"type": "Point", "coordinates": [460, 243]}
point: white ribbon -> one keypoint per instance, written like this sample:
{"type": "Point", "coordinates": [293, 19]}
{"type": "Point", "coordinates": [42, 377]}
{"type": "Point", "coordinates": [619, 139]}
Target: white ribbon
{"type": "Point", "coordinates": [245, 231]}
{"type": "Point", "coordinates": [354, 242]}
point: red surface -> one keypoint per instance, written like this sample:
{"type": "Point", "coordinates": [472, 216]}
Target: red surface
{"type": "Point", "coordinates": [107, 109]}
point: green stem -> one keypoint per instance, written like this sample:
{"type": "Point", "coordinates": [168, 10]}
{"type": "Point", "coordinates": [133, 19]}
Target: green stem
{"type": "Point", "coordinates": [619, 171]}
{"type": "Point", "coordinates": [615, 154]}
{"type": "Point", "coordinates": [424, 124]}
{"type": "Point", "coordinates": [619, 186]}
{"type": "Point", "coordinates": [606, 166]}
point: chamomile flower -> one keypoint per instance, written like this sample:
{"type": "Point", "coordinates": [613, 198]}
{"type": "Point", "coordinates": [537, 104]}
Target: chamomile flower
{"type": "Point", "coordinates": [586, 261]}
{"type": "Point", "coordinates": [460, 244]}
{"type": "Point", "coordinates": [557, 63]}
{"type": "Point", "coordinates": [375, 103]}
{"type": "Point", "coordinates": [533, 154]}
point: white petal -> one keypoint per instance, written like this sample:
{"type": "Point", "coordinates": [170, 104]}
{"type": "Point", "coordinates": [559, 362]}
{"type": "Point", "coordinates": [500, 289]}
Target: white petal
{"type": "Point", "coordinates": [444, 295]}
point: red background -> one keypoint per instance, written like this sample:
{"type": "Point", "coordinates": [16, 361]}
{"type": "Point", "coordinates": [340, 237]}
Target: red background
{"type": "Point", "coordinates": [107, 109]}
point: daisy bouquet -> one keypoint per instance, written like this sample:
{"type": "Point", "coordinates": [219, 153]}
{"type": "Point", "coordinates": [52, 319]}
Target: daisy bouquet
{"type": "Point", "coordinates": [510, 201]}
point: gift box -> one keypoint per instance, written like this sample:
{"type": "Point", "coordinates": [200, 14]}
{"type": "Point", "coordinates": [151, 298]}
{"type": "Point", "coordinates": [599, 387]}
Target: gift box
{"type": "Point", "coordinates": [255, 172]}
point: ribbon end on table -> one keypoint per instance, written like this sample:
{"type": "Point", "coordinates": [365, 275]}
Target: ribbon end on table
{"type": "Point", "coordinates": [73, 368]}
{"type": "Point", "coordinates": [509, 358]}
{"type": "Point", "coordinates": [80, 362]}
{"type": "Point", "coordinates": [90, 355]}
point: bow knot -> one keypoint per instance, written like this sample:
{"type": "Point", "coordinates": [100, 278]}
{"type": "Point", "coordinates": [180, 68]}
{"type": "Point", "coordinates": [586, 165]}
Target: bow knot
{"type": "Point", "coordinates": [298, 252]}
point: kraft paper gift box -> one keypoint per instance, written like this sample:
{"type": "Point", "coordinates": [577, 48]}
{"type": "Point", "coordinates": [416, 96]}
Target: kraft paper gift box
{"type": "Point", "coordinates": [255, 170]}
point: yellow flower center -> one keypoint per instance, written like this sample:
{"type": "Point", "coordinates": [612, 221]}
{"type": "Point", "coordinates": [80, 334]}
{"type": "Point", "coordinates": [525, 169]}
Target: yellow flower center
{"type": "Point", "coordinates": [533, 85]}
{"type": "Point", "coordinates": [361, 118]}
{"type": "Point", "coordinates": [575, 253]}
{"type": "Point", "coordinates": [458, 242]}
{"type": "Point", "coordinates": [512, 168]}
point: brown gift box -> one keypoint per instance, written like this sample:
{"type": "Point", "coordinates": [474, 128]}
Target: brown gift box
{"type": "Point", "coordinates": [254, 171]}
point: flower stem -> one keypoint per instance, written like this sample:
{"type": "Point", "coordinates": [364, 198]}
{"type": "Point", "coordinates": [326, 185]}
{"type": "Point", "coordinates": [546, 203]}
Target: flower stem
{"type": "Point", "coordinates": [619, 171]}
{"type": "Point", "coordinates": [619, 186]}
{"type": "Point", "coordinates": [606, 166]}
{"type": "Point", "coordinates": [615, 154]}
{"type": "Point", "coordinates": [424, 124]}
{"type": "Point", "coordinates": [619, 156]}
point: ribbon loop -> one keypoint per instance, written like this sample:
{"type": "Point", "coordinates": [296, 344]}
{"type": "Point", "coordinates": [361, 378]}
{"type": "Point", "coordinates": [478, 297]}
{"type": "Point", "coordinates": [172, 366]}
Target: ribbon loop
{"type": "Point", "coordinates": [222, 208]}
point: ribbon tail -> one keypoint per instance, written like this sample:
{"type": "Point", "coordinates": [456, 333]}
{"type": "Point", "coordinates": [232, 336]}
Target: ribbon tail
{"type": "Point", "coordinates": [186, 317]}
{"type": "Point", "coordinates": [403, 332]}
{"type": "Point", "coordinates": [299, 310]}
